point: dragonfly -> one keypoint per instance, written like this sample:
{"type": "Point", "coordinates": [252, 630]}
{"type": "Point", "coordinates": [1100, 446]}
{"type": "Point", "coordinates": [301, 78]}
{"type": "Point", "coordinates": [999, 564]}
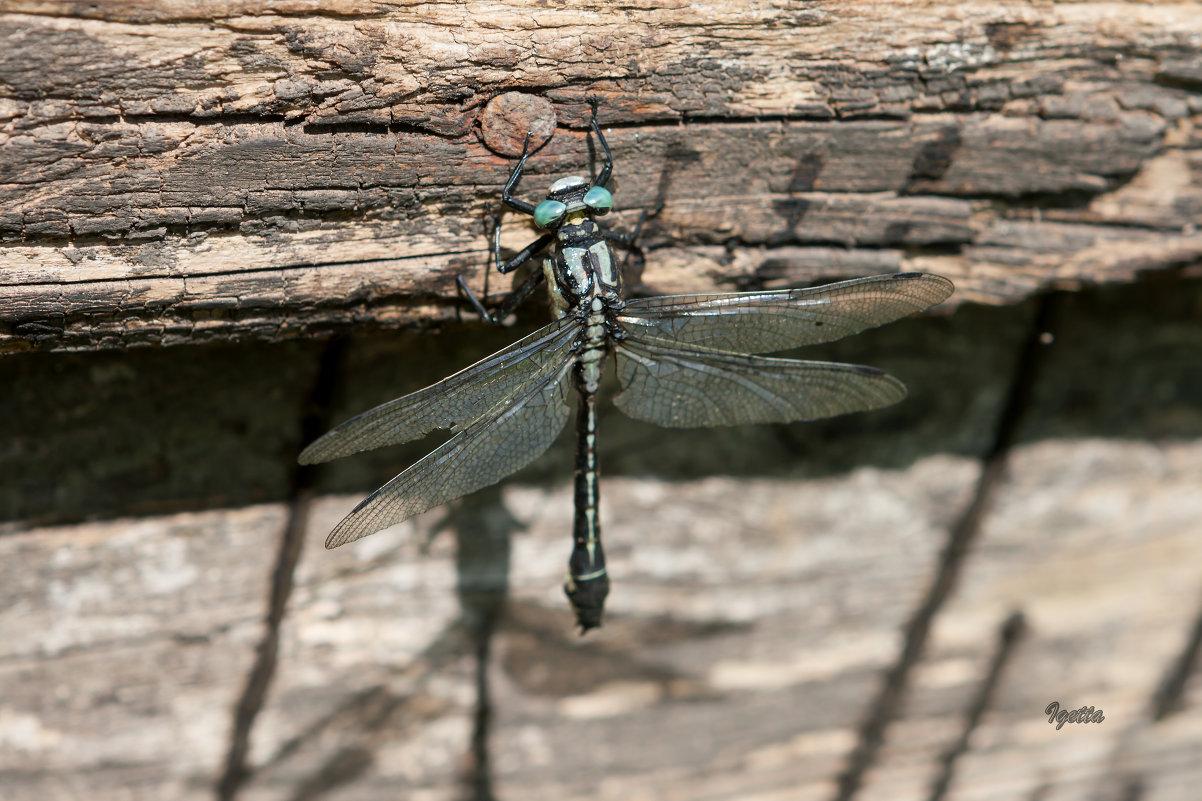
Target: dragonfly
{"type": "Point", "coordinates": [682, 361]}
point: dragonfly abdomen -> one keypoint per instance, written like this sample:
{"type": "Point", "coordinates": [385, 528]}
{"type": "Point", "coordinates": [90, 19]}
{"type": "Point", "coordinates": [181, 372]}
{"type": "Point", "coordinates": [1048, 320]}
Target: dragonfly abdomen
{"type": "Point", "coordinates": [587, 583]}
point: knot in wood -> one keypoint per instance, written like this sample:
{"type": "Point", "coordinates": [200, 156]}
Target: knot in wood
{"type": "Point", "coordinates": [508, 117]}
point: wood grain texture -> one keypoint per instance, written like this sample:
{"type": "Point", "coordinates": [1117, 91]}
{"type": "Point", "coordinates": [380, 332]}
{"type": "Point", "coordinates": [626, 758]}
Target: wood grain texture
{"type": "Point", "coordinates": [192, 172]}
{"type": "Point", "coordinates": [125, 647]}
{"type": "Point", "coordinates": [729, 667]}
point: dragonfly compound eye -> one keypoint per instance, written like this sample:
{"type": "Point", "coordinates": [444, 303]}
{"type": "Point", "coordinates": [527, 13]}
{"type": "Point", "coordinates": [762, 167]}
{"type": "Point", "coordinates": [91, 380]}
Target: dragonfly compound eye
{"type": "Point", "coordinates": [599, 199]}
{"type": "Point", "coordinates": [549, 212]}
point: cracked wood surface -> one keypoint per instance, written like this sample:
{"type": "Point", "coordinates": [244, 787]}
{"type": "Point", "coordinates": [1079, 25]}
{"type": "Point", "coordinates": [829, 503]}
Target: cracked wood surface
{"type": "Point", "coordinates": [196, 172]}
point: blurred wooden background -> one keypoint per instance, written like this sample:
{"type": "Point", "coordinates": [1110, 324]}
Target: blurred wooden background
{"type": "Point", "coordinates": [226, 226]}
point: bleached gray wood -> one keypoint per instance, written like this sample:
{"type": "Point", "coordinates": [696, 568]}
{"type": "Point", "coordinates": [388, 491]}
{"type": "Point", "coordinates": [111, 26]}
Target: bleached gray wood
{"type": "Point", "coordinates": [730, 666]}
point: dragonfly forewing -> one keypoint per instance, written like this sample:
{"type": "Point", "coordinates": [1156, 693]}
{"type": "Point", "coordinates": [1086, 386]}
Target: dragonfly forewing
{"type": "Point", "coordinates": [506, 439]}
{"type": "Point", "coordinates": [453, 403]}
{"type": "Point", "coordinates": [763, 322]}
{"type": "Point", "coordinates": [682, 386]}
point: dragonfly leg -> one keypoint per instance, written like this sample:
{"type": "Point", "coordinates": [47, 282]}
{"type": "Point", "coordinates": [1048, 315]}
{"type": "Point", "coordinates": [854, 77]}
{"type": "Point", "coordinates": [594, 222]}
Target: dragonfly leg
{"type": "Point", "coordinates": [506, 306]}
{"type": "Point", "coordinates": [466, 292]}
{"type": "Point", "coordinates": [602, 177]}
{"type": "Point", "coordinates": [515, 298]}
{"type": "Point", "coordinates": [511, 302]}
{"type": "Point", "coordinates": [513, 202]}
{"type": "Point", "coordinates": [522, 255]}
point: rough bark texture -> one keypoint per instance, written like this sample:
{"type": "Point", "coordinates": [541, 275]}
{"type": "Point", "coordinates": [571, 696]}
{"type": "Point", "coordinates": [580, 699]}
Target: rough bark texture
{"type": "Point", "coordinates": [197, 172]}
{"type": "Point", "coordinates": [879, 606]}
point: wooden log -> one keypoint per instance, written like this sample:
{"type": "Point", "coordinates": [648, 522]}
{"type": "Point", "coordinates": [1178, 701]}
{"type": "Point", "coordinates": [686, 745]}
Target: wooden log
{"type": "Point", "coordinates": [288, 172]}
{"type": "Point", "coordinates": [753, 618]}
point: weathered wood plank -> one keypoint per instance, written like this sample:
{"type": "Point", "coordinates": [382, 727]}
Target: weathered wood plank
{"type": "Point", "coordinates": [1087, 539]}
{"type": "Point", "coordinates": [750, 658]}
{"type": "Point", "coordinates": [260, 173]}
{"type": "Point", "coordinates": [752, 615]}
{"type": "Point", "coordinates": [375, 678]}
{"type": "Point", "coordinates": [188, 172]}
{"type": "Point", "coordinates": [765, 640]}
{"type": "Point", "coordinates": [414, 64]}
{"type": "Point", "coordinates": [125, 646]}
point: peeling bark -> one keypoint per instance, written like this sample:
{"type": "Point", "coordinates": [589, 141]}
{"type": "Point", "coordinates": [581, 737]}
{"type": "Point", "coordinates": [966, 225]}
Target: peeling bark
{"type": "Point", "coordinates": [197, 172]}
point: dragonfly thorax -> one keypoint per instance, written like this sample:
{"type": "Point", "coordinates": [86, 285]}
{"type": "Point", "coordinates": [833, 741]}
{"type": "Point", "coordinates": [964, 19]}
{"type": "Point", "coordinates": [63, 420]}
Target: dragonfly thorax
{"type": "Point", "coordinates": [581, 269]}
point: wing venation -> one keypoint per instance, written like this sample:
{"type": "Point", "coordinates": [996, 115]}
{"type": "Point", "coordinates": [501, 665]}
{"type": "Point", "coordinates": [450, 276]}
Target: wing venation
{"type": "Point", "coordinates": [763, 322]}
{"type": "Point", "coordinates": [682, 386]}
{"type": "Point", "coordinates": [508, 438]}
{"type": "Point", "coordinates": [453, 403]}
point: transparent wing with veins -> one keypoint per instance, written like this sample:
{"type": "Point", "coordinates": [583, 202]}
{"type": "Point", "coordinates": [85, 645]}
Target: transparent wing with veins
{"type": "Point", "coordinates": [453, 403]}
{"type": "Point", "coordinates": [687, 360]}
{"type": "Point", "coordinates": [507, 409]}
{"type": "Point", "coordinates": [763, 322]}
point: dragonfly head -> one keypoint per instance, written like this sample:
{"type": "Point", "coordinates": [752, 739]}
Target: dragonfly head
{"type": "Point", "coordinates": [571, 197]}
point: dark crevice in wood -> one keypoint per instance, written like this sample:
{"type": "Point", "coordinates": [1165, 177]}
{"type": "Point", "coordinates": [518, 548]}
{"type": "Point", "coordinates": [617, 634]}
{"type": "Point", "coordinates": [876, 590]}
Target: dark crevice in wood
{"type": "Point", "coordinates": [1169, 696]}
{"type": "Point", "coordinates": [1186, 76]}
{"type": "Point", "coordinates": [272, 270]}
{"type": "Point", "coordinates": [335, 125]}
{"type": "Point", "coordinates": [27, 125]}
{"type": "Point", "coordinates": [55, 332]}
{"type": "Point", "coordinates": [1008, 637]}
{"type": "Point", "coordinates": [927, 248]}
{"type": "Point", "coordinates": [1062, 200]}
{"type": "Point", "coordinates": [254, 695]}
{"type": "Point", "coordinates": [835, 115]}
{"type": "Point", "coordinates": [257, 224]}
{"type": "Point", "coordinates": [576, 124]}
{"type": "Point", "coordinates": [322, 127]}
{"type": "Point", "coordinates": [1073, 199]}
{"type": "Point", "coordinates": [786, 240]}
{"type": "Point", "coordinates": [886, 705]}
{"type": "Point", "coordinates": [1133, 790]}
